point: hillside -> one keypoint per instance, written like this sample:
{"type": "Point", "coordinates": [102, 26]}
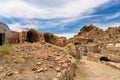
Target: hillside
{"type": "Point", "coordinates": [94, 34]}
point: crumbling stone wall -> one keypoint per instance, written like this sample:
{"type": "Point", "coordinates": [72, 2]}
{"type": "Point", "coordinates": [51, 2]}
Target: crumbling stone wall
{"type": "Point", "coordinates": [91, 48]}
{"type": "Point", "coordinates": [48, 37]}
{"type": "Point", "coordinates": [14, 37]}
{"type": "Point", "coordinates": [59, 41]}
{"type": "Point", "coordinates": [30, 35]}
{"type": "Point", "coordinates": [4, 33]}
{"type": "Point", "coordinates": [67, 74]}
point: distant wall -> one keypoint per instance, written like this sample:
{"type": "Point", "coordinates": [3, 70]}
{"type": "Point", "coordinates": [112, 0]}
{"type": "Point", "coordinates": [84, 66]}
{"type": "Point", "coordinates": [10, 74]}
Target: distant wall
{"type": "Point", "coordinates": [14, 37]}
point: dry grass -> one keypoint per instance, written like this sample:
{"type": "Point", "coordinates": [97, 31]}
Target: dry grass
{"type": "Point", "coordinates": [5, 49]}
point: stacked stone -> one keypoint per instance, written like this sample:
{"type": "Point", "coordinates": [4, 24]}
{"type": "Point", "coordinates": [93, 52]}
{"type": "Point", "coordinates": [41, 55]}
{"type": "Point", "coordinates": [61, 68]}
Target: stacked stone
{"type": "Point", "coordinates": [67, 74]}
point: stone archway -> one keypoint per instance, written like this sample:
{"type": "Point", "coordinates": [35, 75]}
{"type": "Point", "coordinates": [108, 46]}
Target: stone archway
{"type": "Point", "coordinates": [32, 36]}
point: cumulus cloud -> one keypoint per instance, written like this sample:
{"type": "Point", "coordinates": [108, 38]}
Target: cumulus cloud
{"type": "Point", "coordinates": [104, 26]}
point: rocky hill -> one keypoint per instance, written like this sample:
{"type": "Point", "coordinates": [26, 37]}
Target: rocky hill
{"type": "Point", "coordinates": [113, 33]}
{"type": "Point", "coordinates": [91, 31]}
{"type": "Point", "coordinates": [94, 34]}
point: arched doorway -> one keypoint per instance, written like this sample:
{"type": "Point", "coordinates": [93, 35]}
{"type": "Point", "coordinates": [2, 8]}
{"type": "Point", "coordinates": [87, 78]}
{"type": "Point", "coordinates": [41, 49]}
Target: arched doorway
{"type": "Point", "coordinates": [29, 37]}
{"type": "Point", "coordinates": [32, 36]}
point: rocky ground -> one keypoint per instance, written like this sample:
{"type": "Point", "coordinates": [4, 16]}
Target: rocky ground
{"type": "Point", "coordinates": [91, 70]}
{"type": "Point", "coordinates": [37, 61]}
{"type": "Point", "coordinates": [44, 61]}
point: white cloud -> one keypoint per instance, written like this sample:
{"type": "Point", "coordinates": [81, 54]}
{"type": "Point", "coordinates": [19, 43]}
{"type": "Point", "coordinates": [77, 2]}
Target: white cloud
{"type": "Point", "coordinates": [37, 24]}
{"type": "Point", "coordinates": [66, 10]}
{"type": "Point", "coordinates": [113, 16]}
{"type": "Point", "coordinates": [15, 27]}
{"type": "Point", "coordinates": [67, 35]}
{"type": "Point", "coordinates": [104, 26]}
{"type": "Point", "coordinates": [49, 8]}
{"type": "Point", "coordinates": [19, 27]}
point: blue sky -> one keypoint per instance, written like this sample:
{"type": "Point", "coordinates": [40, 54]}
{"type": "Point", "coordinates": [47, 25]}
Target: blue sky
{"type": "Point", "coordinates": [60, 17]}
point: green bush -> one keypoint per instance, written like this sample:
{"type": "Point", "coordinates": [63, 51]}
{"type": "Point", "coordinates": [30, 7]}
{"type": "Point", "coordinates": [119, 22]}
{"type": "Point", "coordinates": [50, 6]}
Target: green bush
{"type": "Point", "coordinates": [90, 40]}
{"type": "Point", "coordinates": [85, 28]}
{"type": "Point", "coordinates": [5, 49]}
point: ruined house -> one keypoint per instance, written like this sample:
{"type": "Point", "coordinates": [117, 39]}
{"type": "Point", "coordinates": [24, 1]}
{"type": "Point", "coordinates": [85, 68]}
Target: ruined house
{"type": "Point", "coordinates": [30, 35]}
{"type": "Point", "coordinates": [4, 33]}
{"type": "Point", "coordinates": [50, 38]}
{"type": "Point", "coordinates": [13, 37]}
{"type": "Point", "coordinates": [91, 48]}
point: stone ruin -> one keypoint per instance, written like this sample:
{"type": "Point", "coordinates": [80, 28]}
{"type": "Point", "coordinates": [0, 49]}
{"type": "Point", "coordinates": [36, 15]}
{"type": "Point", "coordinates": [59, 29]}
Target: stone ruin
{"type": "Point", "coordinates": [30, 35]}
{"type": "Point", "coordinates": [4, 33]}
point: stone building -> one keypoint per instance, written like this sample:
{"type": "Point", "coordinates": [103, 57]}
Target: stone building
{"type": "Point", "coordinates": [30, 35]}
{"type": "Point", "coordinates": [4, 33]}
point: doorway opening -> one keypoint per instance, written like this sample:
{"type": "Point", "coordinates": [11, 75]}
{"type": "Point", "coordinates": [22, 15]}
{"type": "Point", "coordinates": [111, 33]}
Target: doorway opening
{"type": "Point", "coordinates": [32, 36]}
{"type": "Point", "coordinates": [2, 39]}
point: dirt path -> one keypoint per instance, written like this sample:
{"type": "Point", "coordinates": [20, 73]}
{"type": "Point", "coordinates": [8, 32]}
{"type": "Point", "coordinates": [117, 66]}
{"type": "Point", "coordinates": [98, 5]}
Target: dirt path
{"type": "Point", "coordinates": [89, 70]}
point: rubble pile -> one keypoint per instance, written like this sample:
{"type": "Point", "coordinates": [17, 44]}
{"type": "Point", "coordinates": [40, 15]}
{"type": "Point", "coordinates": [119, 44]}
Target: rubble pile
{"type": "Point", "coordinates": [38, 61]}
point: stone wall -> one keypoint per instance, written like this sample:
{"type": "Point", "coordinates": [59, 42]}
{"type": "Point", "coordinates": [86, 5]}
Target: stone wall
{"type": "Point", "coordinates": [67, 74]}
{"type": "Point", "coordinates": [29, 35]}
{"type": "Point", "coordinates": [42, 37]}
{"type": "Point", "coordinates": [14, 37]}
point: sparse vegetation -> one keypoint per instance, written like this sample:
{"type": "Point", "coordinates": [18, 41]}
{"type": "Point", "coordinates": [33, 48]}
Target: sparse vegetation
{"type": "Point", "coordinates": [6, 60]}
{"type": "Point", "coordinates": [90, 40]}
{"type": "Point", "coordinates": [5, 49]}
{"type": "Point", "coordinates": [84, 28]}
